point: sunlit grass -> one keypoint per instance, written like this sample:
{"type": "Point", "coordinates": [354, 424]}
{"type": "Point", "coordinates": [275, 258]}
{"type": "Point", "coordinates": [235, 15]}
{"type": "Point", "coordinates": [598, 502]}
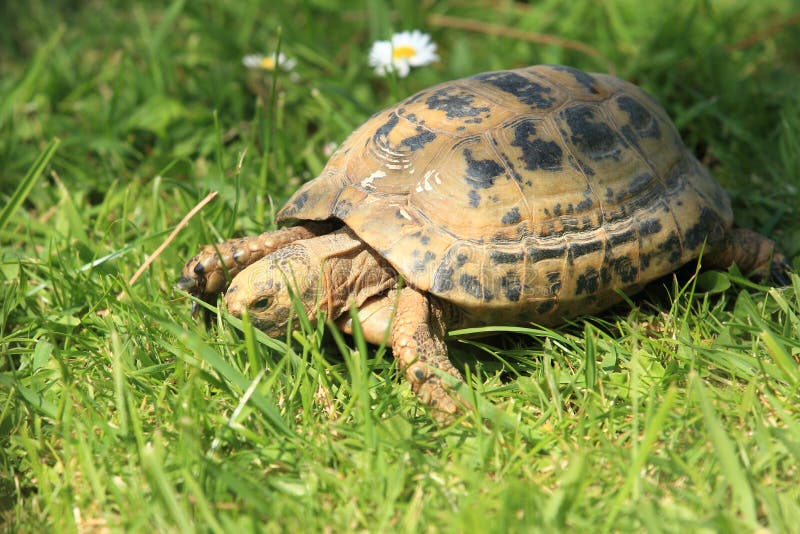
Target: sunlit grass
{"type": "Point", "coordinates": [676, 411]}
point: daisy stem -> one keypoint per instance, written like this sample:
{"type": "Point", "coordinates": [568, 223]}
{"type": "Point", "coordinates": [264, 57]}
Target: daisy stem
{"type": "Point", "coordinates": [263, 176]}
{"type": "Point", "coordinates": [393, 82]}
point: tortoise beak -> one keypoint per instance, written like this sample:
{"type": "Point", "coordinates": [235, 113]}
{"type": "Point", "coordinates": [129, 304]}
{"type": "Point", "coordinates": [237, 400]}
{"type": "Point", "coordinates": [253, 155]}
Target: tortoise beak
{"type": "Point", "coordinates": [234, 304]}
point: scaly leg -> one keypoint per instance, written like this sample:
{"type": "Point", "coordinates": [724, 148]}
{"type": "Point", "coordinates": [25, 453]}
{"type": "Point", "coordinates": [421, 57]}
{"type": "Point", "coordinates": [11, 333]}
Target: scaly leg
{"type": "Point", "coordinates": [418, 345]}
{"type": "Point", "coordinates": [209, 272]}
{"type": "Point", "coordinates": [755, 255]}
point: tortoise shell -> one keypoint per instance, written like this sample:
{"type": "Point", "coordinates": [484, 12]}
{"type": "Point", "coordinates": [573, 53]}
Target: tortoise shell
{"type": "Point", "coordinates": [536, 194]}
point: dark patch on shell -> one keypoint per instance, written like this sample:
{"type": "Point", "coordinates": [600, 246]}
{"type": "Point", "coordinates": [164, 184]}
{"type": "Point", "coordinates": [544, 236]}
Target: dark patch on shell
{"type": "Point", "coordinates": [415, 142]}
{"type": "Point", "coordinates": [342, 209]}
{"type": "Point", "coordinates": [474, 198]}
{"type": "Point", "coordinates": [505, 257]}
{"type": "Point", "coordinates": [387, 127]}
{"type": "Point", "coordinates": [455, 103]}
{"type": "Point", "coordinates": [649, 227]}
{"type": "Point", "coordinates": [584, 205]}
{"type": "Point", "coordinates": [605, 273]}
{"type": "Point", "coordinates": [536, 153]}
{"type": "Point", "coordinates": [300, 201]}
{"type": "Point", "coordinates": [538, 254]}
{"type": "Point", "coordinates": [641, 119]}
{"type": "Point", "coordinates": [581, 249]}
{"type": "Point", "coordinates": [512, 287]}
{"type": "Point", "coordinates": [624, 269]}
{"type": "Point", "coordinates": [296, 206]}
{"type": "Point", "coordinates": [473, 287]}
{"type": "Point", "coordinates": [554, 279]}
{"type": "Point", "coordinates": [672, 245]}
{"type": "Point", "coordinates": [526, 91]}
{"type": "Point", "coordinates": [587, 282]}
{"type": "Point", "coordinates": [708, 227]}
{"type": "Point", "coordinates": [481, 172]}
{"type": "Point", "coordinates": [511, 217]}
{"type": "Point", "coordinates": [590, 135]}
{"type": "Point", "coordinates": [622, 237]}
{"type": "Point", "coordinates": [586, 80]}
{"type": "Point", "coordinates": [443, 279]}
{"type": "Point", "coordinates": [421, 264]}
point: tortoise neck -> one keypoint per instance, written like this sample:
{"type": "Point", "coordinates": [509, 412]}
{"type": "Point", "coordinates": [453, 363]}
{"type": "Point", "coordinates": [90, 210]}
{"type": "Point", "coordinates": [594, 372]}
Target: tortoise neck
{"type": "Point", "coordinates": [351, 271]}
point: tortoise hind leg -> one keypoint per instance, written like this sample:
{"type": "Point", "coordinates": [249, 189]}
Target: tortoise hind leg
{"type": "Point", "coordinates": [418, 345]}
{"type": "Point", "coordinates": [755, 255]}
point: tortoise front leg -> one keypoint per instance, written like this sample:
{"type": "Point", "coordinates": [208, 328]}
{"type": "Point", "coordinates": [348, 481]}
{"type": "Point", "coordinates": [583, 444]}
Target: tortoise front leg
{"type": "Point", "coordinates": [210, 271]}
{"type": "Point", "coordinates": [418, 345]}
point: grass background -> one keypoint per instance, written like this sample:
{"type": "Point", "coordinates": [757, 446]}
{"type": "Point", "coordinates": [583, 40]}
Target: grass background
{"type": "Point", "coordinates": [676, 412]}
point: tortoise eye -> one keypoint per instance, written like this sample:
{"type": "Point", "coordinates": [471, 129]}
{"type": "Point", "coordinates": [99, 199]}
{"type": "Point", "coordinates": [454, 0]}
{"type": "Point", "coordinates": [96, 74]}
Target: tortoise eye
{"type": "Point", "coordinates": [261, 304]}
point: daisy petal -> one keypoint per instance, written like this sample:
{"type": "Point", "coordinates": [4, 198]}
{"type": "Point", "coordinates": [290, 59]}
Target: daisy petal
{"type": "Point", "coordinates": [404, 50]}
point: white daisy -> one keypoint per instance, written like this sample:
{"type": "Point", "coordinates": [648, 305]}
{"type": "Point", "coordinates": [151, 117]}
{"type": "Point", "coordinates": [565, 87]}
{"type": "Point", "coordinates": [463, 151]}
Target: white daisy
{"type": "Point", "coordinates": [260, 61]}
{"type": "Point", "coordinates": [405, 50]}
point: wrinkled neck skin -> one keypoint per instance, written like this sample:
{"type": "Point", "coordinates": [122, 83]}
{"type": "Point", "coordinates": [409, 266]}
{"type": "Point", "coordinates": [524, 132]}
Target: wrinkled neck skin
{"type": "Point", "coordinates": [351, 272]}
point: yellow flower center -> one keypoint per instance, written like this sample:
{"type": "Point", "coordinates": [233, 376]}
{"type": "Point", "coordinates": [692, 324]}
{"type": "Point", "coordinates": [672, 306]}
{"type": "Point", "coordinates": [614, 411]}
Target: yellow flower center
{"type": "Point", "coordinates": [403, 52]}
{"type": "Point", "coordinates": [268, 63]}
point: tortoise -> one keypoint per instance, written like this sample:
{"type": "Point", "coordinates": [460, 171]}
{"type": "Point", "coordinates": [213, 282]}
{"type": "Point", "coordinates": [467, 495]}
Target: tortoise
{"type": "Point", "coordinates": [518, 196]}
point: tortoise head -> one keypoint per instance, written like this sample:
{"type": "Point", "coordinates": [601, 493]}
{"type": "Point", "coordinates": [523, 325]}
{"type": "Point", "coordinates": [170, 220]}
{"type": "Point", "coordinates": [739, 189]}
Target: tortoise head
{"type": "Point", "coordinates": [266, 287]}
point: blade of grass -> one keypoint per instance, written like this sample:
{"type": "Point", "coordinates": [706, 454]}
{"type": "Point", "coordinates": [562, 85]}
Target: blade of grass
{"type": "Point", "coordinates": [22, 91]}
{"type": "Point", "coordinates": [654, 426]}
{"type": "Point", "coordinates": [730, 466]}
{"type": "Point", "coordinates": [24, 188]}
{"type": "Point", "coordinates": [34, 399]}
{"type": "Point", "coordinates": [228, 372]}
{"type": "Point", "coordinates": [152, 455]}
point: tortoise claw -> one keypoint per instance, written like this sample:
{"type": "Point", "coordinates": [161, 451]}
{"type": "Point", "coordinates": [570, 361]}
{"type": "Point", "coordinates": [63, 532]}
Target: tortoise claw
{"type": "Point", "coordinates": [187, 284]}
{"type": "Point", "coordinates": [779, 271]}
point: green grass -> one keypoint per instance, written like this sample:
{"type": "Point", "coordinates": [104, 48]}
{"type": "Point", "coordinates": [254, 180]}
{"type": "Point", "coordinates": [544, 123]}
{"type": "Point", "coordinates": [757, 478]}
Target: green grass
{"type": "Point", "coordinates": [677, 412]}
